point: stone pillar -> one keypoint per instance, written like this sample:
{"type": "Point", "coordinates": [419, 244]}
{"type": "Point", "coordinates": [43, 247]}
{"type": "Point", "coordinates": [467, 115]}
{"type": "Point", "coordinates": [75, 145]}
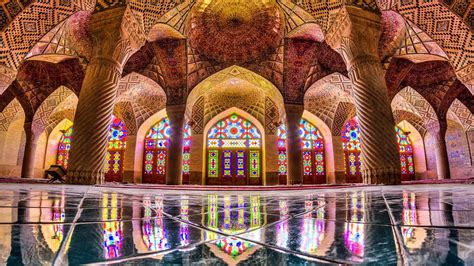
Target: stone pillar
{"type": "Point", "coordinates": [28, 165]}
{"type": "Point", "coordinates": [113, 44]}
{"type": "Point", "coordinates": [339, 163]}
{"type": "Point", "coordinates": [442, 160]}
{"type": "Point", "coordinates": [354, 35]}
{"type": "Point", "coordinates": [174, 168]}
{"type": "Point", "coordinates": [294, 113]}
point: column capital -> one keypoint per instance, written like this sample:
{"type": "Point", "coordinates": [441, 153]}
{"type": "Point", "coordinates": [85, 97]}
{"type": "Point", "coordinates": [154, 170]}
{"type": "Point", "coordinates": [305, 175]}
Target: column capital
{"type": "Point", "coordinates": [116, 35]}
{"type": "Point", "coordinates": [353, 32]}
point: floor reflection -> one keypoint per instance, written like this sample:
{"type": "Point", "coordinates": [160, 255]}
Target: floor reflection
{"type": "Point", "coordinates": [62, 225]}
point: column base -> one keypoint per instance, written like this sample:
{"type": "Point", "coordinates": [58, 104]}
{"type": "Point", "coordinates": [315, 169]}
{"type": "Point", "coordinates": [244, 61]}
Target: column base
{"type": "Point", "coordinates": [78, 177]}
{"type": "Point", "coordinates": [387, 176]}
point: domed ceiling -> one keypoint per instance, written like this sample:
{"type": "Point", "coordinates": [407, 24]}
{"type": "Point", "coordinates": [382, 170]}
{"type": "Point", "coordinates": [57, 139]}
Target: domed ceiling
{"type": "Point", "coordinates": [235, 31]}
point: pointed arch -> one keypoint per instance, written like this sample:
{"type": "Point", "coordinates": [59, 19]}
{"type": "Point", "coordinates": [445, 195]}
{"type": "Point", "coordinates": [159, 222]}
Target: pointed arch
{"type": "Point", "coordinates": [249, 148]}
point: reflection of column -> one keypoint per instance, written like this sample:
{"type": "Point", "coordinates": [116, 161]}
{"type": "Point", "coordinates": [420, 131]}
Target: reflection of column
{"type": "Point", "coordinates": [175, 145]}
{"type": "Point", "coordinates": [282, 226]}
{"type": "Point", "coordinates": [183, 226]}
{"type": "Point", "coordinates": [442, 160]}
{"type": "Point", "coordinates": [113, 45]}
{"type": "Point", "coordinates": [353, 36]}
{"type": "Point", "coordinates": [28, 166]}
{"type": "Point", "coordinates": [294, 153]}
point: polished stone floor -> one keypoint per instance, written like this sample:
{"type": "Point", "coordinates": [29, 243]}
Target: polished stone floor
{"type": "Point", "coordinates": [58, 224]}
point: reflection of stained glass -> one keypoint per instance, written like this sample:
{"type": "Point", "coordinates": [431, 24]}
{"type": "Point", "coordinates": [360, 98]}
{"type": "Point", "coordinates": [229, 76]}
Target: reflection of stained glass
{"type": "Point", "coordinates": [156, 143]}
{"type": "Point", "coordinates": [183, 226]}
{"type": "Point", "coordinates": [406, 154]}
{"type": "Point", "coordinates": [354, 235]}
{"type": "Point", "coordinates": [64, 146]}
{"type": "Point", "coordinates": [351, 147]}
{"type": "Point", "coordinates": [237, 143]}
{"type": "Point", "coordinates": [153, 229]}
{"type": "Point", "coordinates": [112, 226]}
{"type": "Point", "coordinates": [409, 218]}
{"type": "Point", "coordinates": [58, 218]}
{"type": "Point", "coordinates": [233, 246]}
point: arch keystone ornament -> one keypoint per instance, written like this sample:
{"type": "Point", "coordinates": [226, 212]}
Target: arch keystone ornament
{"type": "Point", "coordinates": [116, 35]}
{"type": "Point", "coordinates": [352, 34]}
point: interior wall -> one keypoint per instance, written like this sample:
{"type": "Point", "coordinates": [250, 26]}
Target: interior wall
{"type": "Point", "coordinates": [40, 156]}
{"type": "Point", "coordinates": [12, 153]}
{"type": "Point", "coordinates": [458, 149]}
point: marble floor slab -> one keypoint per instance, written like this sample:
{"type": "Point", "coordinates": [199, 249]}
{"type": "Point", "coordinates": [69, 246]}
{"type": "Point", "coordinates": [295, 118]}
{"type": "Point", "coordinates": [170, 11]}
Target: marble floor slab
{"type": "Point", "coordinates": [389, 225]}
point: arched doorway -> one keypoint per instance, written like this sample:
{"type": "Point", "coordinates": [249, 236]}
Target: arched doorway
{"type": "Point", "coordinates": [406, 155]}
{"type": "Point", "coordinates": [115, 151]}
{"type": "Point", "coordinates": [313, 154]}
{"type": "Point", "coordinates": [156, 150]}
{"type": "Point", "coordinates": [64, 146]}
{"type": "Point", "coordinates": [352, 154]}
{"type": "Point", "coordinates": [234, 152]}
{"type": "Point", "coordinates": [312, 143]}
{"type": "Point", "coordinates": [154, 158]}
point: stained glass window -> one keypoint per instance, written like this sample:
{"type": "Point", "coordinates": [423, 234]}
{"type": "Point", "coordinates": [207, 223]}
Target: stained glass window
{"type": "Point", "coordinates": [313, 153]}
{"type": "Point", "coordinates": [64, 146]}
{"type": "Point", "coordinates": [352, 154]}
{"type": "Point", "coordinates": [282, 160]}
{"type": "Point", "coordinates": [406, 155]}
{"type": "Point", "coordinates": [115, 150]}
{"type": "Point", "coordinates": [235, 143]}
{"type": "Point", "coordinates": [186, 153]}
{"type": "Point", "coordinates": [156, 144]}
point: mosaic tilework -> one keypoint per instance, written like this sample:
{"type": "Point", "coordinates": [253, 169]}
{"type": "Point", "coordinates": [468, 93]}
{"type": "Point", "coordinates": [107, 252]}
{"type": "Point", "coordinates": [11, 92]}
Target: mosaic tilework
{"type": "Point", "coordinates": [29, 26]}
{"type": "Point", "coordinates": [463, 114]}
{"type": "Point", "coordinates": [271, 116]}
{"type": "Point", "coordinates": [41, 117]}
{"type": "Point", "coordinates": [198, 116]}
{"type": "Point", "coordinates": [9, 114]}
{"type": "Point", "coordinates": [439, 22]}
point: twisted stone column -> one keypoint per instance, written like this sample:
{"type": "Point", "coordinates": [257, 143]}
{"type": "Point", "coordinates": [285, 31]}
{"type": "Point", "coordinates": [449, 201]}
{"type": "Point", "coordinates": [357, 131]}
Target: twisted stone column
{"type": "Point", "coordinates": [174, 167]}
{"type": "Point", "coordinates": [354, 35]}
{"type": "Point", "coordinates": [28, 164]}
{"type": "Point", "coordinates": [294, 153]}
{"type": "Point", "coordinates": [113, 45]}
{"type": "Point", "coordinates": [442, 160]}
{"type": "Point", "coordinates": [92, 122]}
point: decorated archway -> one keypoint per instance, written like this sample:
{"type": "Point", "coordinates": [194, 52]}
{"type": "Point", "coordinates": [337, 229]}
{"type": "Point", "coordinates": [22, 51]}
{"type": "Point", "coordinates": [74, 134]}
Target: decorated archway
{"type": "Point", "coordinates": [406, 155]}
{"type": "Point", "coordinates": [156, 150]}
{"type": "Point", "coordinates": [154, 156]}
{"type": "Point", "coordinates": [234, 152]}
{"type": "Point", "coordinates": [312, 143]}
